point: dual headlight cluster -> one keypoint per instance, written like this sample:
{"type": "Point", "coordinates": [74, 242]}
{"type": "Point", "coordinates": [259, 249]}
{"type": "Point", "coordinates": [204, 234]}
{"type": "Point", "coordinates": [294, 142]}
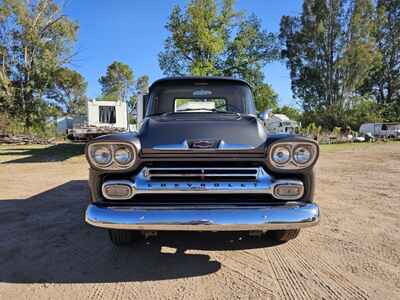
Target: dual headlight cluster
{"type": "Point", "coordinates": [112, 155]}
{"type": "Point", "coordinates": [293, 155]}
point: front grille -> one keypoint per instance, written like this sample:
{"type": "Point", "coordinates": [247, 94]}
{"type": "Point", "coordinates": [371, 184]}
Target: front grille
{"type": "Point", "coordinates": [201, 174]}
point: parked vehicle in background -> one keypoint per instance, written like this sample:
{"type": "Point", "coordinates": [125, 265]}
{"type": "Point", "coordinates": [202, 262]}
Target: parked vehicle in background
{"type": "Point", "coordinates": [381, 130]}
{"type": "Point", "coordinates": [201, 161]}
{"type": "Point", "coordinates": [103, 117]}
{"type": "Point", "coordinates": [278, 123]}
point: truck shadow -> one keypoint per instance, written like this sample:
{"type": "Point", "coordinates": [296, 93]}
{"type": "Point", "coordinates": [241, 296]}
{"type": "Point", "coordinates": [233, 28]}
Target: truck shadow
{"type": "Point", "coordinates": [58, 152]}
{"type": "Point", "coordinates": [45, 240]}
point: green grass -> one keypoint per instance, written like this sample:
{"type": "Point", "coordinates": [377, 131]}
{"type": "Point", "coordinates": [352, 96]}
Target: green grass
{"type": "Point", "coordinates": [352, 146]}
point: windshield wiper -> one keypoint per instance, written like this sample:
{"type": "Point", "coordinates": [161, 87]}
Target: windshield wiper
{"type": "Point", "coordinates": [213, 110]}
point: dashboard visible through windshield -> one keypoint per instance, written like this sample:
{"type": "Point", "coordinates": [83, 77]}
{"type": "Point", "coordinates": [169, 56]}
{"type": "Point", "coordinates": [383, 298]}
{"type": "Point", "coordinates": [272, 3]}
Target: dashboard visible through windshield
{"type": "Point", "coordinates": [200, 105]}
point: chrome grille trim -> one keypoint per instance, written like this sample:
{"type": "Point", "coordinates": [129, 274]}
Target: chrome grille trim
{"type": "Point", "coordinates": [201, 173]}
{"type": "Point", "coordinates": [262, 183]}
{"type": "Point", "coordinates": [149, 181]}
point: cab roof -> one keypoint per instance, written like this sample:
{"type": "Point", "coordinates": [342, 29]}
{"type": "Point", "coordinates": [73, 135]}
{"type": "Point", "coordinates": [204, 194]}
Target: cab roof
{"type": "Point", "coordinates": [201, 79]}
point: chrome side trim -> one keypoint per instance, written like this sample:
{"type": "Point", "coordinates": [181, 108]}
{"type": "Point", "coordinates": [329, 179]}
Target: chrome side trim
{"type": "Point", "coordinates": [172, 147]}
{"type": "Point", "coordinates": [292, 216]}
{"type": "Point", "coordinates": [226, 146]}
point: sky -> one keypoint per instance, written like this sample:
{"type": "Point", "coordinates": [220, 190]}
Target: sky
{"type": "Point", "coordinates": [133, 32]}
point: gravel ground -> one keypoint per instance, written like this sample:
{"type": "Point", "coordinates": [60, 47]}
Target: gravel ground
{"type": "Point", "coordinates": [47, 252]}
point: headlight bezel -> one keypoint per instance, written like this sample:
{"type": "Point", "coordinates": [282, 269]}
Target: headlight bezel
{"type": "Point", "coordinates": [114, 164]}
{"type": "Point", "coordinates": [132, 155]}
{"type": "Point", "coordinates": [292, 164]}
{"type": "Point", "coordinates": [285, 148]}
{"type": "Point", "coordinates": [93, 154]}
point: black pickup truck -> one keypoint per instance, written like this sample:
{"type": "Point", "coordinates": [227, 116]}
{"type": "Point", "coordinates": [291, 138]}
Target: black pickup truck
{"type": "Point", "coordinates": [201, 161]}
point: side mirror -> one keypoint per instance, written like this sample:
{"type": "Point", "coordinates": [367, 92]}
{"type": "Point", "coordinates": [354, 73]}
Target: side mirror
{"type": "Point", "coordinates": [145, 103]}
{"type": "Point", "coordinates": [141, 107]}
{"type": "Point", "coordinates": [264, 115]}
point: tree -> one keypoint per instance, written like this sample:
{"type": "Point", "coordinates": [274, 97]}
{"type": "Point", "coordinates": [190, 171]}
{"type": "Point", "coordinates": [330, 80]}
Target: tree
{"type": "Point", "coordinates": [117, 82]}
{"type": "Point", "coordinates": [291, 112]}
{"type": "Point", "coordinates": [384, 79]}
{"type": "Point", "coordinates": [330, 50]}
{"type": "Point", "coordinates": [36, 39]}
{"type": "Point", "coordinates": [69, 91]}
{"type": "Point", "coordinates": [363, 109]}
{"type": "Point", "coordinates": [141, 87]}
{"type": "Point", "coordinates": [198, 38]}
{"type": "Point", "coordinates": [142, 84]}
{"type": "Point", "coordinates": [265, 97]}
{"type": "Point", "coordinates": [208, 41]}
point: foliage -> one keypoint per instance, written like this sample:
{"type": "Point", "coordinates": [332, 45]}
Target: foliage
{"type": "Point", "coordinates": [36, 40]}
{"type": "Point", "coordinates": [330, 50]}
{"type": "Point", "coordinates": [362, 110]}
{"type": "Point", "coordinates": [358, 110]}
{"type": "Point", "coordinates": [384, 80]}
{"type": "Point", "coordinates": [207, 41]}
{"type": "Point", "coordinates": [142, 84]}
{"type": "Point", "coordinates": [69, 91]}
{"type": "Point", "coordinates": [291, 112]}
{"type": "Point", "coordinates": [117, 82]}
{"type": "Point", "coordinates": [313, 130]}
{"type": "Point", "coordinates": [337, 132]}
{"type": "Point", "coordinates": [141, 87]}
{"type": "Point", "coordinates": [265, 97]}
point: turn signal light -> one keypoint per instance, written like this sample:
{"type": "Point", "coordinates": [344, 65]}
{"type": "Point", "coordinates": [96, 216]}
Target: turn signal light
{"type": "Point", "coordinates": [117, 191]}
{"type": "Point", "coordinates": [288, 191]}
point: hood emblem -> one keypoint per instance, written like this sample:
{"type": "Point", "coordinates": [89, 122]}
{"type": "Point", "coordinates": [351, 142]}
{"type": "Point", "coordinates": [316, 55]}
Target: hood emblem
{"type": "Point", "coordinates": [203, 144]}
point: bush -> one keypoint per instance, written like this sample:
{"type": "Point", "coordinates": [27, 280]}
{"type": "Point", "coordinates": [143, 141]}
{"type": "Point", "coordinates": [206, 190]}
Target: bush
{"type": "Point", "coordinates": [356, 111]}
{"type": "Point", "coordinates": [15, 127]}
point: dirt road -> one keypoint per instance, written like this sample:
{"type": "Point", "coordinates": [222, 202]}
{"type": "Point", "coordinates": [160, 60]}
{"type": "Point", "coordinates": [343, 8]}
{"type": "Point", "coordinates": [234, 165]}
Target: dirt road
{"type": "Point", "coordinates": [47, 252]}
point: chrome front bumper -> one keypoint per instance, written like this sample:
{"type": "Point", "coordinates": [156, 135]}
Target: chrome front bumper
{"type": "Point", "coordinates": [204, 218]}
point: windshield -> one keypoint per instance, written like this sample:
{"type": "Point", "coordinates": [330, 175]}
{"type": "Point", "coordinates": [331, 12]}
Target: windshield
{"type": "Point", "coordinates": [200, 97]}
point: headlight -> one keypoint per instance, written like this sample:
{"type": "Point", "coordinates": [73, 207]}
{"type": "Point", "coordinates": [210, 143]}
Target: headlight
{"type": "Point", "coordinates": [302, 155]}
{"type": "Point", "coordinates": [123, 156]}
{"type": "Point", "coordinates": [102, 155]}
{"type": "Point", "coordinates": [111, 155]}
{"type": "Point", "coordinates": [292, 155]}
{"type": "Point", "coordinates": [281, 155]}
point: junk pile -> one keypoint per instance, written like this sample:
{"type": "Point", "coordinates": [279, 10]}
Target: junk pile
{"type": "Point", "coordinates": [24, 139]}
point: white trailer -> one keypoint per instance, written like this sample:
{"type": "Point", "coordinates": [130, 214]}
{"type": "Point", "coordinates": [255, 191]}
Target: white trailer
{"type": "Point", "coordinates": [381, 130]}
{"type": "Point", "coordinates": [113, 114]}
{"type": "Point", "coordinates": [103, 117]}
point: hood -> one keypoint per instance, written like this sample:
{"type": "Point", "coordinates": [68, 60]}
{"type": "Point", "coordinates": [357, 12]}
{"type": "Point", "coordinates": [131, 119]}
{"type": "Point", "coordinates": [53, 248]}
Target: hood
{"type": "Point", "coordinates": [202, 133]}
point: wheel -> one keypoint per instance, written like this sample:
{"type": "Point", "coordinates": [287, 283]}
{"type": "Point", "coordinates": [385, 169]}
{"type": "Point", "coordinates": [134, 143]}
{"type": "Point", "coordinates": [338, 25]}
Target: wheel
{"type": "Point", "coordinates": [123, 237]}
{"type": "Point", "coordinates": [283, 236]}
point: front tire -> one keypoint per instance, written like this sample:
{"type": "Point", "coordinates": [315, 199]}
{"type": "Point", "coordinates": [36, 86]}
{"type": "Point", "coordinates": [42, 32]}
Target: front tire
{"type": "Point", "coordinates": [283, 236]}
{"type": "Point", "coordinates": [123, 237]}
